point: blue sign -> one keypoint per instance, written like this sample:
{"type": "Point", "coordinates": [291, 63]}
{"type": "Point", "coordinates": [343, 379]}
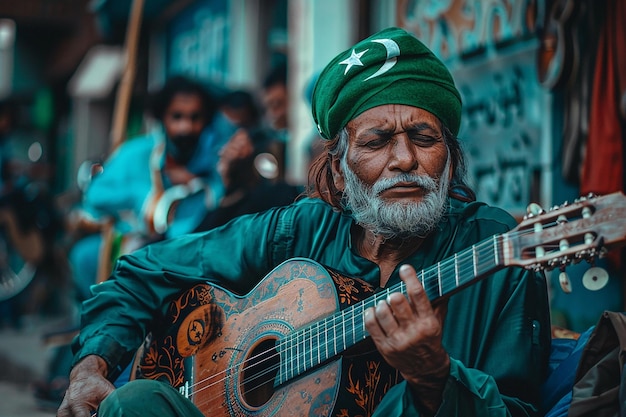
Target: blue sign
{"type": "Point", "coordinates": [198, 39]}
{"type": "Point", "coordinates": [503, 111]}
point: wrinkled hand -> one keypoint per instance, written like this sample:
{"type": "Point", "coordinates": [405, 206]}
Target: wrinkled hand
{"type": "Point", "coordinates": [88, 387]}
{"type": "Point", "coordinates": [407, 332]}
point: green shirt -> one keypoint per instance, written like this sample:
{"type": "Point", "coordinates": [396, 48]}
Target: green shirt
{"type": "Point", "coordinates": [496, 331]}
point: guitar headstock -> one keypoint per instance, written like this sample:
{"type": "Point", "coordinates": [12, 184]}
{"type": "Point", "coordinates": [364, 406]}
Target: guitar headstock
{"type": "Point", "coordinates": [569, 233]}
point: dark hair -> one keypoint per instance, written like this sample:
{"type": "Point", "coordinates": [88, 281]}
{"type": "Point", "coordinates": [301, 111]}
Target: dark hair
{"type": "Point", "coordinates": [243, 100]}
{"type": "Point", "coordinates": [276, 76]}
{"type": "Point", "coordinates": [180, 84]}
{"type": "Point", "coordinates": [320, 178]}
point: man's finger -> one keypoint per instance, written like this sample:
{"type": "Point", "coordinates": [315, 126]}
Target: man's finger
{"type": "Point", "coordinates": [415, 291]}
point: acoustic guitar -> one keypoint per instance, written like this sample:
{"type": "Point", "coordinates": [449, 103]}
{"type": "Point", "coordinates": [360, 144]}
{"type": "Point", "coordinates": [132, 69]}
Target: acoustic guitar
{"type": "Point", "coordinates": [281, 349]}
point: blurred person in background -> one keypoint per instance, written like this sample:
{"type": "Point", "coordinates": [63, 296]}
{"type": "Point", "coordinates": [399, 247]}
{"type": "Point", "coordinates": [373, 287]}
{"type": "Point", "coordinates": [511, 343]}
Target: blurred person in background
{"type": "Point", "coordinates": [30, 266]}
{"type": "Point", "coordinates": [252, 177]}
{"type": "Point", "coordinates": [240, 107]}
{"type": "Point", "coordinates": [275, 99]}
{"type": "Point", "coordinates": [155, 186]}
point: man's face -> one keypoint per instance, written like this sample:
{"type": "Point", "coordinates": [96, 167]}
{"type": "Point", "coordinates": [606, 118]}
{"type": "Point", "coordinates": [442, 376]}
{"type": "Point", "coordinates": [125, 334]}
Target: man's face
{"type": "Point", "coordinates": [184, 121]}
{"type": "Point", "coordinates": [275, 104]}
{"type": "Point", "coordinates": [391, 171]}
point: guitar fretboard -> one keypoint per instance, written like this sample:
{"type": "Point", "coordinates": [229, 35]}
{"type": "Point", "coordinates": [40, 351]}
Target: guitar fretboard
{"type": "Point", "coordinates": [312, 345]}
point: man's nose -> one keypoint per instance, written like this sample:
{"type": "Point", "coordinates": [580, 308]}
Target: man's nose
{"type": "Point", "coordinates": [403, 154]}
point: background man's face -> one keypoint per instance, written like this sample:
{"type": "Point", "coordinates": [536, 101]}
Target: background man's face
{"type": "Point", "coordinates": [184, 117]}
{"type": "Point", "coordinates": [183, 122]}
{"type": "Point", "coordinates": [275, 104]}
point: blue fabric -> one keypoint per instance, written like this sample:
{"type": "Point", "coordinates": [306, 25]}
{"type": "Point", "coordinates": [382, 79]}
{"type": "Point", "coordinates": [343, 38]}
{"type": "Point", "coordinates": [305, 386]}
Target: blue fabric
{"type": "Point", "coordinates": [557, 389]}
{"type": "Point", "coordinates": [122, 188]}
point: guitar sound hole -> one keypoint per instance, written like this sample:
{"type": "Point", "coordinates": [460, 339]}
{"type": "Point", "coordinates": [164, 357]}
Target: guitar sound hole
{"type": "Point", "coordinates": [259, 371]}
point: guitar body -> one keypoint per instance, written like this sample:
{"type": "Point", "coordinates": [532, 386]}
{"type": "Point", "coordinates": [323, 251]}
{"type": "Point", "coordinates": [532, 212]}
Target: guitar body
{"type": "Point", "coordinates": [219, 347]}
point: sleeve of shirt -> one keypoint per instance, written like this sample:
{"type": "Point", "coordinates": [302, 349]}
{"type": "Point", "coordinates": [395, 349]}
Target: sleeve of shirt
{"type": "Point", "coordinates": [467, 393]}
{"type": "Point", "coordinates": [110, 191]}
{"type": "Point", "coordinates": [116, 319]}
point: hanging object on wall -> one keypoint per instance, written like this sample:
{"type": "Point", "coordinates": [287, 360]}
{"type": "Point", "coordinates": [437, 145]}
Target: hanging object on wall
{"type": "Point", "coordinates": [558, 54]}
{"type": "Point", "coordinates": [577, 91]}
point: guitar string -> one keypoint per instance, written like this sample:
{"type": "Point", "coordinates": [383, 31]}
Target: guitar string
{"type": "Point", "coordinates": [449, 265]}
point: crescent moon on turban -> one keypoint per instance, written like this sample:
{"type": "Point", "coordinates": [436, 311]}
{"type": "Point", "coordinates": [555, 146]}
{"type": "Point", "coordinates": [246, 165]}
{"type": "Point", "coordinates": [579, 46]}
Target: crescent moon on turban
{"type": "Point", "coordinates": [393, 52]}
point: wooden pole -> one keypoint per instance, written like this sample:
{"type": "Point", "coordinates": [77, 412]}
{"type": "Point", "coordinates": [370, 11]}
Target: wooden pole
{"type": "Point", "coordinates": [125, 89]}
{"type": "Point", "coordinates": [120, 122]}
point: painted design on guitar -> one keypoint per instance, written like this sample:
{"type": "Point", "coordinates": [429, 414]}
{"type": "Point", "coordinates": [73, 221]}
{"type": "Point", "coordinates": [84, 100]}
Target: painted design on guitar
{"type": "Point", "coordinates": [199, 328]}
{"type": "Point", "coordinates": [163, 362]}
{"type": "Point", "coordinates": [348, 292]}
{"type": "Point", "coordinates": [369, 390]}
{"type": "Point", "coordinates": [197, 296]}
{"type": "Point", "coordinates": [164, 356]}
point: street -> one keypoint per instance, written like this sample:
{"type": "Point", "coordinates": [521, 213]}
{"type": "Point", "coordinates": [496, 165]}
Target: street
{"type": "Point", "coordinates": [23, 360]}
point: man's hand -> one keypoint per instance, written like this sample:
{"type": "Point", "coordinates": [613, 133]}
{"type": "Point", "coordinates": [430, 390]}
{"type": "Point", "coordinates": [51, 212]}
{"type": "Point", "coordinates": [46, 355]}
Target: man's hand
{"type": "Point", "coordinates": [407, 332]}
{"type": "Point", "coordinates": [239, 147]}
{"type": "Point", "coordinates": [88, 387]}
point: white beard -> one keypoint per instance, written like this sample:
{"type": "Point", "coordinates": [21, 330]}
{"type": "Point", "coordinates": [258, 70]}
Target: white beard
{"type": "Point", "coordinates": [396, 219]}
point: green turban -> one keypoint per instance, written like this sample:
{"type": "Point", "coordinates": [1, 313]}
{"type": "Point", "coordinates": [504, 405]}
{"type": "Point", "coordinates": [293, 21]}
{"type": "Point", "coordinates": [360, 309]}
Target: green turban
{"type": "Point", "coordinates": [390, 67]}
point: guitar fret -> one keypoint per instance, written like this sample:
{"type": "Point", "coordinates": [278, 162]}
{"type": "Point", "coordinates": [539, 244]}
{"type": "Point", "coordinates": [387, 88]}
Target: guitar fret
{"type": "Point", "coordinates": [298, 365]}
{"type": "Point", "coordinates": [343, 329]}
{"type": "Point", "coordinates": [325, 342]}
{"type": "Point", "coordinates": [319, 345]}
{"type": "Point", "coordinates": [474, 257]}
{"type": "Point", "coordinates": [456, 269]}
{"type": "Point", "coordinates": [283, 360]}
{"type": "Point", "coordinates": [353, 327]}
{"type": "Point", "coordinates": [439, 278]}
{"type": "Point", "coordinates": [310, 348]}
{"type": "Point", "coordinates": [361, 323]}
{"type": "Point", "coordinates": [334, 328]}
{"type": "Point", "coordinates": [495, 249]}
{"type": "Point", "coordinates": [289, 362]}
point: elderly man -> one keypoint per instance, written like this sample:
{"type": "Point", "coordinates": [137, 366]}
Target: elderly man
{"type": "Point", "coordinates": [386, 199]}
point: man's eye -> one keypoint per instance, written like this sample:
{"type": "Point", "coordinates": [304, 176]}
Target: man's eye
{"type": "Point", "coordinates": [424, 140]}
{"type": "Point", "coordinates": [377, 143]}
{"type": "Point", "coordinates": [178, 116]}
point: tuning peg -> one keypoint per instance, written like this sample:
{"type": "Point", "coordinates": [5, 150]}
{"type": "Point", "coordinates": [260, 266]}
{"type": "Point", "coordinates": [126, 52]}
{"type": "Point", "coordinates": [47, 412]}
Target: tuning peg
{"type": "Point", "coordinates": [534, 209]}
{"type": "Point", "coordinates": [595, 278]}
{"type": "Point", "coordinates": [565, 283]}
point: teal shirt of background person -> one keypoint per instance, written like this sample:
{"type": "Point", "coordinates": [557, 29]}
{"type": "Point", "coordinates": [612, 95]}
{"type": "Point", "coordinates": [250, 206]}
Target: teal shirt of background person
{"type": "Point", "coordinates": [122, 189]}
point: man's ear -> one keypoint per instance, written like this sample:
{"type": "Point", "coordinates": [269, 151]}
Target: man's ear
{"type": "Point", "coordinates": [335, 166]}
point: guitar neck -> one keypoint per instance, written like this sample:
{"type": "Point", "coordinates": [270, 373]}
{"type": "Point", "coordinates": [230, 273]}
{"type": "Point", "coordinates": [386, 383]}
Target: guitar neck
{"type": "Point", "coordinates": [325, 339]}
